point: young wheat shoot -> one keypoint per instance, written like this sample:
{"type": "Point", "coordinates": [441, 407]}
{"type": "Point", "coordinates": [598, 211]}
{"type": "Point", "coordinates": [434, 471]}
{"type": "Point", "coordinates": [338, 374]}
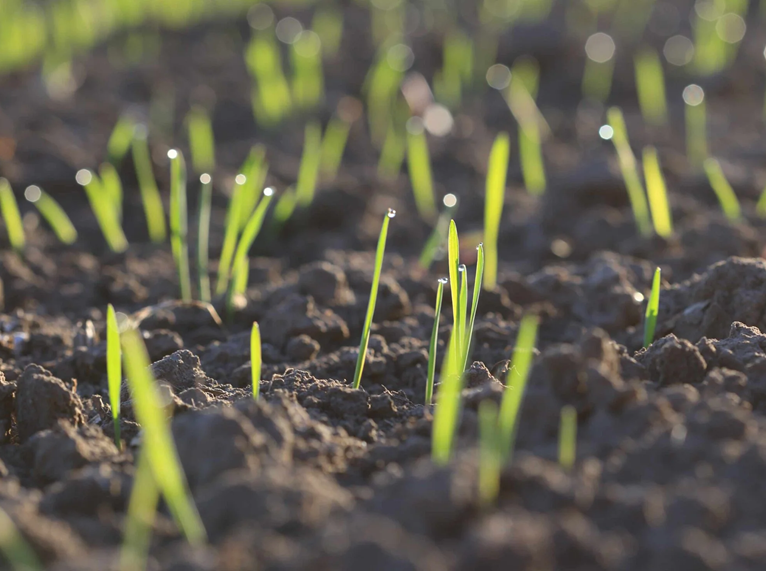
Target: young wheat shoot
{"type": "Point", "coordinates": [434, 342]}
{"type": "Point", "coordinates": [114, 370]}
{"type": "Point", "coordinates": [308, 172]}
{"type": "Point", "coordinates": [150, 195]}
{"type": "Point", "coordinates": [179, 222]}
{"type": "Point", "coordinates": [568, 437]}
{"type": "Point", "coordinates": [652, 309]}
{"type": "Point", "coordinates": [53, 214]}
{"type": "Point", "coordinates": [139, 520]}
{"type": "Point", "coordinates": [497, 171]}
{"type": "Point", "coordinates": [490, 459]}
{"type": "Point", "coordinates": [723, 190]}
{"type": "Point", "coordinates": [201, 140]}
{"type": "Point", "coordinates": [419, 163]}
{"type": "Point", "coordinates": [10, 211]}
{"type": "Point", "coordinates": [657, 193]}
{"type": "Point", "coordinates": [255, 359]}
{"type": "Point", "coordinates": [203, 237]}
{"type": "Point", "coordinates": [696, 125]}
{"type": "Point", "coordinates": [379, 253]}
{"type": "Point", "coordinates": [474, 304]}
{"type": "Point", "coordinates": [103, 208]}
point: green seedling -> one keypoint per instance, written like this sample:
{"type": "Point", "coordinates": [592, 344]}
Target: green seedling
{"type": "Point", "coordinates": [307, 79]}
{"type": "Point", "coordinates": [157, 441]}
{"type": "Point", "coordinates": [254, 169]}
{"type": "Point", "coordinates": [457, 68]}
{"type": "Point", "coordinates": [599, 67]}
{"type": "Point", "coordinates": [463, 312]}
{"type": "Point", "coordinates": [652, 309]}
{"type": "Point", "coordinates": [285, 206]}
{"type": "Point", "coordinates": [203, 237]}
{"type": "Point", "coordinates": [522, 104]}
{"type": "Point", "coordinates": [328, 24]}
{"type": "Point", "coordinates": [240, 263]}
{"type": "Point", "coordinates": [497, 171]}
{"type": "Point", "coordinates": [419, 163]}
{"type": "Point", "coordinates": [438, 236]}
{"type": "Point", "coordinates": [334, 141]}
{"type": "Point", "coordinates": [15, 549]}
{"type": "Point", "coordinates": [139, 520]}
{"type": "Point", "coordinates": [474, 304]}
{"type": "Point", "coordinates": [255, 359]}
{"type": "Point", "coordinates": [453, 260]}
{"type": "Point", "coordinates": [516, 383]}
{"type": "Point", "coordinates": [379, 253]}
{"type": "Point", "coordinates": [308, 172]}
{"type": "Point", "coordinates": [114, 370]}
{"type": "Point", "coordinates": [434, 342]}
{"type": "Point", "coordinates": [201, 140]}
{"type": "Point", "coordinates": [382, 87]}
{"type": "Point", "coordinates": [723, 190]}
{"type": "Point", "coordinates": [150, 195]}
{"type": "Point", "coordinates": [102, 205]}
{"type": "Point", "coordinates": [448, 404]}
{"type": "Point", "coordinates": [657, 193]}
{"type": "Point", "coordinates": [392, 153]}
{"type": "Point", "coordinates": [272, 100]}
{"type": "Point", "coordinates": [568, 437]}
{"type": "Point", "coordinates": [179, 222]}
{"type": "Point", "coordinates": [696, 125]}
{"type": "Point", "coordinates": [53, 214]}
{"type": "Point", "coordinates": [650, 85]}
{"type": "Point", "coordinates": [527, 71]}
{"type": "Point", "coordinates": [10, 211]}
{"type": "Point", "coordinates": [231, 234]}
{"type": "Point", "coordinates": [120, 140]}
{"type": "Point", "coordinates": [629, 171]}
{"type": "Point", "coordinates": [112, 186]}
{"type": "Point", "coordinates": [490, 460]}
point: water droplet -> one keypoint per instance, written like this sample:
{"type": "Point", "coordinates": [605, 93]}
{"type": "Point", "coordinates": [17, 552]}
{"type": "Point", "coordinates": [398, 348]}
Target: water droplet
{"type": "Point", "coordinates": [268, 191]}
{"type": "Point", "coordinates": [443, 280]}
{"type": "Point", "coordinates": [83, 177]}
{"type": "Point", "coordinates": [480, 246]}
{"type": "Point", "coordinates": [693, 95]}
{"type": "Point", "coordinates": [461, 268]}
{"type": "Point", "coordinates": [391, 212]}
{"type": "Point", "coordinates": [450, 200]}
{"type": "Point", "coordinates": [172, 154]}
{"type": "Point", "coordinates": [240, 179]}
{"type": "Point", "coordinates": [205, 178]}
{"type": "Point", "coordinates": [33, 193]}
{"type": "Point", "coordinates": [606, 132]}
{"type": "Point", "coordinates": [600, 47]}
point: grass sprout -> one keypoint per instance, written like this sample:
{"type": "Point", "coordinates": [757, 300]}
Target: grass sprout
{"type": "Point", "coordinates": [102, 205]}
{"type": "Point", "coordinates": [336, 136]}
{"type": "Point", "coordinates": [285, 206]}
{"type": "Point", "coordinates": [150, 195]}
{"type": "Point", "coordinates": [568, 437]}
{"type": "Point", "coordinates": [203, 237]}
{"type": "Point", "coordinates": [308, 172]}
{"type": "Point", "coordinates": [201, 140]}
{"type": "Point", "coordinates": [453, 260]}
{"type": "Point", "coordinates": [629, 171]}
{"type": "Point", "coordinates": [254, 169]}
{"type": "Point", "coordinates": [307, 79]}
{"type": "Point", "coordinates": [392, 153]}
{"type": "Point", "coordinates": [530, 119]}
{"type": "Point", "coordinates": [650, 85]}
{"type": "Point", "coordinates": [474, 304]}
{"type": "Point", "coordinates": [114, 370]}
{"type": "Point", "coordinates": [438, 236]}
{"type": "Point", "coordinates": [497, 172]}
{"type": "Point", "coordinates": [379, 253]}
{"type": "Point", "coordinates": [255, 359]}
{"type": "Point", "coordinates": [490, 460]}
{"type": "Point", "coordinates": [158, 441]}
{"type": "Point", "coordinates": [120, 139]}
{"type": "Point", "coordinates": [15, 549]}
{"type": "Point", "coordinates": [696, 125]}
{"type": "Point", "coordinates": [111, 185]}
{"type": "Point", "coordinates": [10, 211]}
{"type": "Point", "coordinates": [271, 98]}
{"type": "Point", "coordinates": [434, 342]}
{"type": "Point", "coordinates": [723, 190]}
{"type": "Point", "coordinates": [139, 520]}
{"type": "Point", "coordinates": [516, 383]}
{"type": "Point", "coordinates": [657, 193]}
{"type": "Point", "coordinates": [328, 24]}
{"type": "Point", "coordinates": [53, 214]}
{"type": "Point", "coordinates": [419, 163]}
{"type": "Point", "coordinates": [448, 404]}
{"type": "Point", "coordinates": [652, 309]}
{"type": "Point", "coordinates": [179, 224]}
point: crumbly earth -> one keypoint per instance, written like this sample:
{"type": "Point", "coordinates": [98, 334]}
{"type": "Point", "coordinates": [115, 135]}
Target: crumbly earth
{"type": "Point", "coordinates": [671, 447]}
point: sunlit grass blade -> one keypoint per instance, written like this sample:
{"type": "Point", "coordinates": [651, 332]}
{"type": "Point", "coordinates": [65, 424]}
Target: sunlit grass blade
{"type": "Point", "coordinates": [597, 77]}
{"type": "Point", "coordinates": [112, 186]}
{"type": "Point", "coordinates": [568, 437]}
{"type": "Point", "coordinates": [255, 359]}
{"type": "Point", "coordinates": [203, 237]}
{"type": "Point", "coordinates": [723, 190]}
{"type": "Point", "coordinates": [526, 70]}
{"type": "Point", "coordinates": [650, 85]}
{"type": "Point", "coordinates": [333, 146]}
{"type": "Point", "coordinates": [419, 163]}
{"type": "Point", "coordinates": [652, 309]}
{"type": "Point", "coordinates": [462, 312]}
{"type": "Point", "coordinates": [231, 233]}
{"type": "Point", "coordinates": [142, 509]}
{"type": "Point", "coordinates": [15, 549]}
{"type": "Point", "coordinates": [453, 261]}
{"type": "Point", "coordinates": [308, 78]}
{"type": "Point", "coordinates": [474, 305]}
{"type": "Point", "coordinates": [448, 404]}
{"type": "Point", "coordinates": [657, 193]}
{"type": "Point", "coordinates": [103, 208]}
{"type": "Point", "coordinates": [272, 100]}
{"type": "Point", "coordinates": [392, 153]}
{"type": "Point", "coordinates": [490, 460]}
{"type": "Point", "coordinates": [328, 24]}
{"type": "Point", "coordinates": [308, 172]}
{"type": "Point", "coordinates": [529, 119]}
{"type": "Point", "coordinates": [379, 253]}
{"type": "Point", "coordinates": [516, 383]}
{"type": "Point", "coordinates": [201, 140]}
{"type": "Point", "coordinates": [120, 140]}
{"type": "Point", "coordinates": [254, 169]}
{"type": "Point", "coordinates": [179, 223]}
{"type": "Point", "coordinates": [53, 214]}
{"type": "Point", "coordinates": [11, 216]}
{"type": "Point", "coordinates": [434, 342]}
{"type": "Point", "coordinates": [438, 236]}
{"type": "Point", "coordinates": [497, 171]}
{"type": "Point", "coordinates": [150, 195]}
{"type": "Point", "coordinates": [696, 125]}
{"type": "Point", "coordinates": [114, 370]}
{"type": "Point", "coordinates": [285, 206]}
{"type": "Point", "coordinates": [629, 171]}
{"type": "Point", "coordinates": [157, 438]}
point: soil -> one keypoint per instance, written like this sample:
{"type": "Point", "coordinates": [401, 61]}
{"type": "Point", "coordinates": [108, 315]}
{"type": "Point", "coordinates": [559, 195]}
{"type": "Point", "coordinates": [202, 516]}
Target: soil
{"type": "Point", "coordinates": [671, 447]}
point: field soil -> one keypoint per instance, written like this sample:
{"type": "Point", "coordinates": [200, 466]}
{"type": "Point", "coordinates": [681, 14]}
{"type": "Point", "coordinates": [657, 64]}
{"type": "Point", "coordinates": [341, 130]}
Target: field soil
{"type": "Point", "coordinates": [671, 446]}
